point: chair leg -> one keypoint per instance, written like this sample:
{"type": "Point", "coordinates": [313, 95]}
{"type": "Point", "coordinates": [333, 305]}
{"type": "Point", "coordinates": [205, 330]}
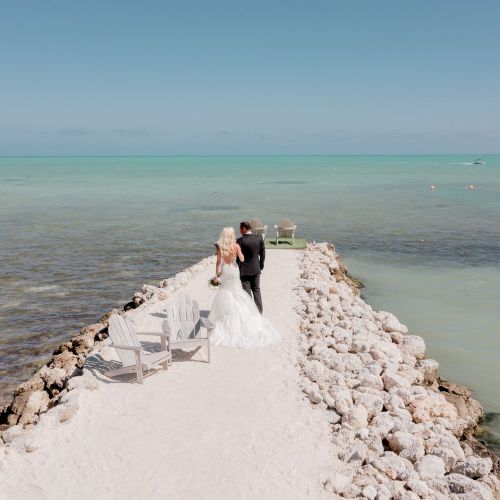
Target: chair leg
{"type": "Point", "coordinates": [208, 347]}
{"type": "Point", "coordinates": [169, 349]}
{"type": "Point", "coordinates": [138, 368]}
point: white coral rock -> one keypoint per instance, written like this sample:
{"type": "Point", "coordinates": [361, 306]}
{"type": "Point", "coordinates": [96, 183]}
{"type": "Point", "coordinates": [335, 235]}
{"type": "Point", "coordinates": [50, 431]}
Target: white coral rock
{"type": "Point", "coordinates": [430, 466]}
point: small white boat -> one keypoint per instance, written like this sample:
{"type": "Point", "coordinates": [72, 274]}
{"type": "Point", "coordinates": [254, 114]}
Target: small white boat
{"type": "Point", "coordinates": [479, 161]}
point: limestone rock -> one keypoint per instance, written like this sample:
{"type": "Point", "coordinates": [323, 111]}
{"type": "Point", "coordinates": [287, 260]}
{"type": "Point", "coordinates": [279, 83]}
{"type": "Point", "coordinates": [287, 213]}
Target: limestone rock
{"type": "Point", "coordinates": [26, 406]}
{"type": "Point", "coordinates": [54, 378]}
{"type": "Point", "coordinates": [105, 317]}
{"type": "Point", "coordinates": [314, 371]}
{"type": "Point", "coordinates": [82, 344]}
{"type": "Point", "coordinates": [12, 433]}
{"type": "Point", "coordinates": [93, 329]}
{"type": "Point", "coordinates": [413, 345]}
{"type": "Point", "coordinates": [428, 407]}
{"type": "Point", "coordinates": [394, 402]}
{"type": "Point", "coordinates": [37, 402]}
{"type": "Point", "coordinates": [343, 400]}
{"type": "Point", "coordinates": [66, 361]}
{"type": "Point", "coordinates": [382, 424]}
{"type": "Point", "coordinates": [406, 445]}
{"type": "Point", "coordinates": [369, 492]}
{"type": "Point", "coordinates": [35, 383]}
{"type": "Point", "coordinates": [66, 346]}
{"type": "Point", "coordinates": [368, 379]}
{"type": "Point", "coordinates": [337, 483]}
{"type": "Point", "coordinates": [313, 393]}
{"type": "Point", "coordinates": [474, 467]}
{"type": "Point", "coordinates": [459, 397]}
{"type": "Point", "coordinates": [390, 323]}
{"type": "Point", "coordinates": [493, 483]}
{"type": "Point", "coordinates": [429, 368]}
{"type": "Point", "coordinates": [448, 456]}
{"type": "Point", "coordinates": [393, 466]}
{"type": "Point", "coordinates": [430, 466]}
{"type": "Point", "coordinates": [460, 484]}
{"type": "Point", "coordinates": [392, 379]}
{"type": "Point", "coordinates": [419, 487]}
{"type": "Point", "coordinates": [371, 402]}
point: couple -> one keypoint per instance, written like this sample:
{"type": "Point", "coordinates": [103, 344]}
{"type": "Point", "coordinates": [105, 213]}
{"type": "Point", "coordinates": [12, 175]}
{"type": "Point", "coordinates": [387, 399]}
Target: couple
{"type": "Point", "coordinates": [237, 319]}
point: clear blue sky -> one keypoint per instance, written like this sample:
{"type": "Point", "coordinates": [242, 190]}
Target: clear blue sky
{"type": "Point", "coordinates": [234, 77]}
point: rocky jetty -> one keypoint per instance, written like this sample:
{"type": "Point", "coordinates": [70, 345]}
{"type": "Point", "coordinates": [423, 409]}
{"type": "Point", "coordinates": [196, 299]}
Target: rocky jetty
{"type": "Point", "coordinates": [400, 431]}
{"type": "Point", "coordinates": [47, 395]}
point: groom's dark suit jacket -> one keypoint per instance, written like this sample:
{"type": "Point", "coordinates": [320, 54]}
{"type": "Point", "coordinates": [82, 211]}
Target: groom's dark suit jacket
{"type": "Point", "coordinates": [254, 251]}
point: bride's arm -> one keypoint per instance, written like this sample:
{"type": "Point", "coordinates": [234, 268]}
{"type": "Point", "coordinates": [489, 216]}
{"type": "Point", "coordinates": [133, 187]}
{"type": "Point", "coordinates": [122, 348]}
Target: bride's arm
{"type": "Point", "coordinates": [239, 253]}
{"type": "Point", "coordinates": [218, 262]}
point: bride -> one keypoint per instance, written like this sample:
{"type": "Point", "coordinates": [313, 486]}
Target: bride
{"type": "Point", "coordinates": [236, 319]}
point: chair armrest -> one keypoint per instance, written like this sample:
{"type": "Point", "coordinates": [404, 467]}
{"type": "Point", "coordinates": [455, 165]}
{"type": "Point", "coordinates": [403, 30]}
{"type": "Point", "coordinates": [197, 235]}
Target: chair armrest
{"type": "Point", "coordinates": [159, 334]}
{"type": "Point", "coordinates": [207, 323]}
{"type": "Point", "coordinates": [127, 347]}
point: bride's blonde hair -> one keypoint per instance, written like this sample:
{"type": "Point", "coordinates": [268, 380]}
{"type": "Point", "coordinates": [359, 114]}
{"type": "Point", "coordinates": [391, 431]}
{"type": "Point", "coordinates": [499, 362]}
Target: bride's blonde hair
{"type": "Point", "coordinates": [226, 241]}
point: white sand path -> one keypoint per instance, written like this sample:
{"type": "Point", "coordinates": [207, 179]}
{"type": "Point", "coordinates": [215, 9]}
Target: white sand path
{"type": "Point", "coordinates": [238, 428]}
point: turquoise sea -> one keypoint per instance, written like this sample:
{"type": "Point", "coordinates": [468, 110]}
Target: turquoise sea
{"type": "Point", "coordinates": [79, 235]}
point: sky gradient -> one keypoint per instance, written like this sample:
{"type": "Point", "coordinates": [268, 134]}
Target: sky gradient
{"type": "Point", "coordinates": [261, 77]}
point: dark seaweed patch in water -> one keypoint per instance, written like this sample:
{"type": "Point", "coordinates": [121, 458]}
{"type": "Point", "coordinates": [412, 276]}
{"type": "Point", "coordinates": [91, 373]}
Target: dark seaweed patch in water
{"type": "Point", "coordinates": [471, 250]}
{"type": "Point", "coordinates": [285, 182]}
{"type": "Point", "coordinates": [488, 431]}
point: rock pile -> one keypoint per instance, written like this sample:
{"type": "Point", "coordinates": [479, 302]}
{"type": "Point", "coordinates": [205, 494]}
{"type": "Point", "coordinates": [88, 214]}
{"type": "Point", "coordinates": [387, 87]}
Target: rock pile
{"type": "Point", "coordinates": [396, 433]}
{"type": "Point", "coordinates": [44, 389]}
{"type": "Point", "coordinates": [53, 385]}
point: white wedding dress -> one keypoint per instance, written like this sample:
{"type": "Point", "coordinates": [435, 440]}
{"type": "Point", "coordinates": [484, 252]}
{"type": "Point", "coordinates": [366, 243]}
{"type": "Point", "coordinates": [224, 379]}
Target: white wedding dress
{"type": "Point", "coordinates": [236, 319]}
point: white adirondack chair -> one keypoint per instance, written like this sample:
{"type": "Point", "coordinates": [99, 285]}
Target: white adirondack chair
{"type": "Point", "coordinates": [258, 228]}
{"type": "Point", "coordinates": [285, 229]}
{"type": "Point", "coordinates": [183, 323]}
{"type": "Point", "coordinates": [134, 359]}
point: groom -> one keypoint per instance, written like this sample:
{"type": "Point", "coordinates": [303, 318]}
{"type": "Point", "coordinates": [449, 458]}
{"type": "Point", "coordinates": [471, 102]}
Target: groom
{"type": "Point", "coordinates": [254, 251]}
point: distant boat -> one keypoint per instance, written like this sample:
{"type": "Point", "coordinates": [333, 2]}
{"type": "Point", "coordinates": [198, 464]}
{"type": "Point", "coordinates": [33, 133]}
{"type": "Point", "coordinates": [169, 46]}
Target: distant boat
{"type": "Point", "coordinates": [479, 161]}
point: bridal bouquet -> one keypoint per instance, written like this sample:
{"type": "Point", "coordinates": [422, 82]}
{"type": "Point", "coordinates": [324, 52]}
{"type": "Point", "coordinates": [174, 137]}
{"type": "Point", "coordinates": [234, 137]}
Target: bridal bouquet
{"type": "Point", "coordinates": [214, 283]}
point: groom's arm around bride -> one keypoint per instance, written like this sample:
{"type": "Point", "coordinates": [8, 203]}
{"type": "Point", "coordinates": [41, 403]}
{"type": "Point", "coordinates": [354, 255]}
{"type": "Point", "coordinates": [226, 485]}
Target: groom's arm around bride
{"type": "Point", "coordinates": [254, 251]}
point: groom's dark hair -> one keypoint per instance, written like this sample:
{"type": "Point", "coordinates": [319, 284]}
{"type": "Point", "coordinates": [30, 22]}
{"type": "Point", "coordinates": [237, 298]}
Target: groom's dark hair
{"type": "Point", "coordinates": [245, 225]}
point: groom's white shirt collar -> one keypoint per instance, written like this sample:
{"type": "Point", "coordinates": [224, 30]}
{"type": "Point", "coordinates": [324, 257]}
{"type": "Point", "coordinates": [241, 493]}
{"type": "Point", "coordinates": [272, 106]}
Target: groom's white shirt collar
{"type": "Point", "coordinates": [248, 232]}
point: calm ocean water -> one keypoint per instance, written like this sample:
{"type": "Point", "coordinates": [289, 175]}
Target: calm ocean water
{"type": "Point", "coordinates": [80, 234]}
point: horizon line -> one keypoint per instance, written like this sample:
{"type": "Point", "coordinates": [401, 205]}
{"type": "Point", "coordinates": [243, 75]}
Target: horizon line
{"type": "Point", "coordinates": [212, 155]}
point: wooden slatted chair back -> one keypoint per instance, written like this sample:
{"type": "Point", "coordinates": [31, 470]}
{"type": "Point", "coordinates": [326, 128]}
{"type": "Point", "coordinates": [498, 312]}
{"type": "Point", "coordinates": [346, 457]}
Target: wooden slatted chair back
{"type": "Point", "coordinates": [285, 228]}
{"type": "Point", "coordinates": [258, 227]}
{"type": "Point", "coordinates": [122, 332]}
{"type": "Point", "coordinates": [183, 317]}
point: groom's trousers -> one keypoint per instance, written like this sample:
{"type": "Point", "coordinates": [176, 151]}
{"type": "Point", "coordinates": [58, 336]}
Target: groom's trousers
{"type": "Point", "coordinates": [251, 285]}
